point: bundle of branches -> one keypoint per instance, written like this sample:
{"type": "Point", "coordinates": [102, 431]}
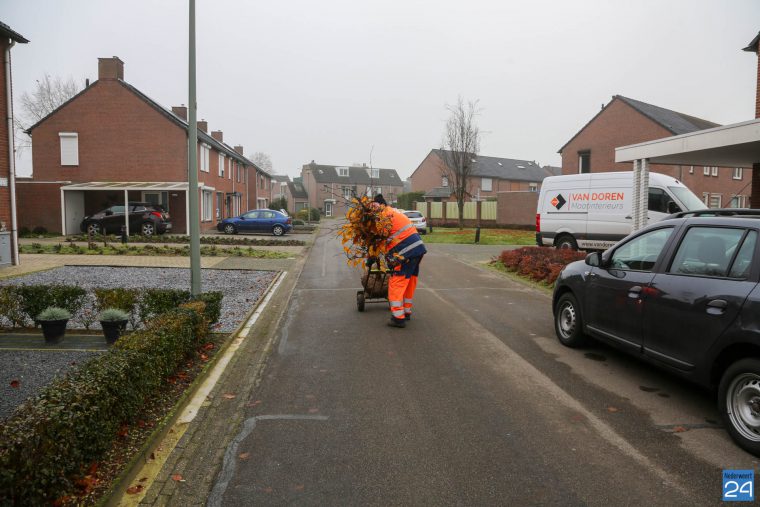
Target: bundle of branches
{"type": "Point", "coordinates": [364, 235]}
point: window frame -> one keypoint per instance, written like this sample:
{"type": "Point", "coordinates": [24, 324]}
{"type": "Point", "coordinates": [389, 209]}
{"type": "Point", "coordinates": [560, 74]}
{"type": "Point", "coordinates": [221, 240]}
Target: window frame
{"type": "Point", "coordinates": [222, 159]}
{"type": "Point", "coordinates": [662, 251]}
{"type": "Point", "coordinates": [584, 155]}
{"type": "Point", "coordinates": [207, 205]}
{"type": "Point", "coordinates": [738, 173]}
{"type": "Point", "coordinates": [714, 171]}
{"type": "Point", "coordinates": [483, 184]}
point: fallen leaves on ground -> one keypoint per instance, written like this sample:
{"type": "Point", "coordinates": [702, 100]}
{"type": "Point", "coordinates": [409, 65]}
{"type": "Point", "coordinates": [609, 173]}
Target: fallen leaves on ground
{"type": "Point", "coordinates": [612, 409]}
{"type": "Point", "coordinates": [679, 429]}
{"type": "Point", "coordinates": [177, 478]}
{"type": "Point", "coordinates": [229, 396]}
{"type": "Point", "coordinates": [15, 384]}
{"type": "Point", "coordinates": [133, 490]}
{"type": "Point", "coordinates": [244, 456]}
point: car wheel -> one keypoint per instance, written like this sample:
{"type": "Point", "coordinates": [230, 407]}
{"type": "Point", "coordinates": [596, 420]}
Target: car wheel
{"type": "Point", "coordinates": [566, 242]}
{"type": "Point", "coordinates": [148, 229]}
{"type": "Point", "coordinates": [93, 228]}
{"type": "Point", "coordinates": [229, 229]}
{"type": "Point", "coordinates": [278, 230]}
{"type": "Point", "coordinates": [568, 323]}
{"type": "Point", "coordinates": [739, 403]}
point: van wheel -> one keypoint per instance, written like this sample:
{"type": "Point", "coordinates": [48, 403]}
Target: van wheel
{"type": "Point", "coordinates": [566, 242]}
{"type": "Point", "coordinates": [739, 403]}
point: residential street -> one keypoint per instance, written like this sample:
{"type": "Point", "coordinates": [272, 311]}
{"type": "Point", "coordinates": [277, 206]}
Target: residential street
{"type": "Point", "coordinates": [473, 403]}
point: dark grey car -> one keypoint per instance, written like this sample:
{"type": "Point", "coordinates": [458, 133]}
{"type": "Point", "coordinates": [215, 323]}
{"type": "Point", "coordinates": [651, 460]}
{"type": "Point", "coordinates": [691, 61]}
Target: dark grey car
{"type": "Point", "coordinates": [682, 294]}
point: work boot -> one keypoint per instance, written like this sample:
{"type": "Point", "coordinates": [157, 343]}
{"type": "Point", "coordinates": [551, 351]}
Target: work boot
{"type": "Point", "coordinates": [394, 322]}
{"type": "Point", "coordinates": [408, 316]}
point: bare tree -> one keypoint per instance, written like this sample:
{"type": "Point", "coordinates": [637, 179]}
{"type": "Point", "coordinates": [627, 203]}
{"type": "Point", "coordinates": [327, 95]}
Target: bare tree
{"type": "Point", "coordinates": [48, 94]}
{"type": "Point", "coordinates": [263, 161]}
{"type": "Point", "coordinates": [461, 144]}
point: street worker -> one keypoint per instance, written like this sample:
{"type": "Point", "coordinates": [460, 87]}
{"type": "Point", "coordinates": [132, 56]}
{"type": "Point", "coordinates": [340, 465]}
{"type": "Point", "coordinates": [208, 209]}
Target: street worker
{"type": "Point", "coordinates": [405, 251]}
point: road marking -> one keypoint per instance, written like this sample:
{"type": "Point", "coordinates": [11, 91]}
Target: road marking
{"type": "Point", "coordinates": [229, 463]}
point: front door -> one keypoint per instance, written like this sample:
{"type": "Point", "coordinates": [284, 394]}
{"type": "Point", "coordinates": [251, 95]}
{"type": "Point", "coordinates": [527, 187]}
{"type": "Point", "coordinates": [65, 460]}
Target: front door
{"type": "Point", "coordinates": [328, 209]}
{"type": "Point", "coordinates": [74, 210]}
{"type": "Point", "coordinates": [614, 306]}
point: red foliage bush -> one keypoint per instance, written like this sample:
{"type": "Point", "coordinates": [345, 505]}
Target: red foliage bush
{"type": "Point", "coordinates": [539, 264]}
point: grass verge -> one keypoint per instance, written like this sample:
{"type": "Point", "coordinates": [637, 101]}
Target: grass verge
{"type": "Point", "coordinates": [487, 236]}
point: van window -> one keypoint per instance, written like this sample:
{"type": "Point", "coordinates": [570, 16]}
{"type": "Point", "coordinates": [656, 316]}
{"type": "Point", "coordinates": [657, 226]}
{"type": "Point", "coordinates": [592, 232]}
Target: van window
{"type": "Point", "coordinates": [658, 200]}
{"type": "Point", "coordinates": [687, 198]}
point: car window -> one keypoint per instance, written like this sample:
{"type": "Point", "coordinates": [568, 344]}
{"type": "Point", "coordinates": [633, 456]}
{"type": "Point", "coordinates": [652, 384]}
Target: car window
{"type": "Point", "coordinates": [266, 214]}
{"type": "Point", "coordinates": [251, 214]}
{"type": "Point", "coordinates": [641, 253]}
{"type": "Point", "coordinates": [116, 209]}
{"type": "Point", "coordinates": [413, 214]}
{"type": "Point", "coordinates": [743, 261]}
{"type": "Point", "coordinates": [138, 209]}
{"type": "Point", "coordinates": [707, 251]}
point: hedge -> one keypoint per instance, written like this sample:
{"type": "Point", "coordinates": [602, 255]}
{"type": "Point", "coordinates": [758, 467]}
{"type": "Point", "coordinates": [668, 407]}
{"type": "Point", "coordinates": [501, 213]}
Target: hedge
{"type": "Point", "coordinates": [53, 438]}
{"type": "Point", "coordinates": [540, 264]}
{"type": "Point", "coordinates": [21, 304]}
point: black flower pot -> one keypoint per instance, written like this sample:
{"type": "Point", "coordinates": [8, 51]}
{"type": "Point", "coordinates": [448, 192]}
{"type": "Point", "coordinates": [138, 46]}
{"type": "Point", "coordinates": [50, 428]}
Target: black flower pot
{"type": "Point", "coordinates": [112, 329]}
{"type": "Point", "coordinates": [53, 330]}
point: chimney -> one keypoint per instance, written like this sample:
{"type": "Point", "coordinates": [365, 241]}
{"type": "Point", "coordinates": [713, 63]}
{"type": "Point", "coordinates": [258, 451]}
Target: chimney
{"type": "Point", "coordinates": [217, 134]}
{"type": "Point", "coordinates": [180, 111]}
{"type": "Point", "coordinates": [203, 125]}
{"type": "Point", "coordinates": [110, 68]}
{"type": "Point", "coordinates": [753, 48]}
{"type": "Point", "coordinates": [239, 149]}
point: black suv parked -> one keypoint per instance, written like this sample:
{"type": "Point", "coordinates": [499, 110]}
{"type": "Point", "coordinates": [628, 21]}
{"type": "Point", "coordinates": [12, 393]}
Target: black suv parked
{"type": "Point", "coordinates": [144, 218]}
{"type": "Point", "coordinates": [682, 294]}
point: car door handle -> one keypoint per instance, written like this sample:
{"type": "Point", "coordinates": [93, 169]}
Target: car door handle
{"type": "Point", "coordinates": [717, 306]}
{"type": "Point", "coordinates": [634, 292]}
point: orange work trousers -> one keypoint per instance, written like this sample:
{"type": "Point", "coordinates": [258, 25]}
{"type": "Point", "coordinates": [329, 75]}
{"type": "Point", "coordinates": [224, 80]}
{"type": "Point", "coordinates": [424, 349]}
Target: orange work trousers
{"type": "Point", "coordinates": [400, 295]}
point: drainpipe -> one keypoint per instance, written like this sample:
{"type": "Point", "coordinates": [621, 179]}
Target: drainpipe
{"type": "Point", "coordinates": [11, 153]}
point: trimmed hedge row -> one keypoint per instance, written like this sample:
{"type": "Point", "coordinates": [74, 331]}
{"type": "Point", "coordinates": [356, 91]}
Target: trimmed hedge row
{"type": "Point", "coordinates": [21, 304]}
{"type": "Point", "coordinates": [55, 437]}
{"type": "Point", "coordinates": [540, 264]}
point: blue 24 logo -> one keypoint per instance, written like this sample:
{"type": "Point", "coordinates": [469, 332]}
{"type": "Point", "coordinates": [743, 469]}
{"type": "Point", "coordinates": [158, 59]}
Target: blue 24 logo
{"type": "Point", "coordinates": [738, 485]}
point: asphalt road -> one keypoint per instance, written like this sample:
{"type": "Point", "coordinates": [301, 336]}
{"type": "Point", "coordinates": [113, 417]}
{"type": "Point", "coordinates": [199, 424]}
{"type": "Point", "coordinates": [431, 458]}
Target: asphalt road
{"type": "Point", "coordinates": [474, 403]}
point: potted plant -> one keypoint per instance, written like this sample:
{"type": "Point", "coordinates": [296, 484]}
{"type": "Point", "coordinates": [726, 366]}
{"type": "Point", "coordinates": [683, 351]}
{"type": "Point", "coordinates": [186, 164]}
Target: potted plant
{"type": "Point", "coordinates": [53, 321]}
{"type": "Point", "coordinates": [114, 322]}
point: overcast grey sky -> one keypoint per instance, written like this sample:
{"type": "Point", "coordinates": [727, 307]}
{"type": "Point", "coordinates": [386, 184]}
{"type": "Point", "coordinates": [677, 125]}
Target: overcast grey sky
{"type": "Point", "coordinates": [328, 80]}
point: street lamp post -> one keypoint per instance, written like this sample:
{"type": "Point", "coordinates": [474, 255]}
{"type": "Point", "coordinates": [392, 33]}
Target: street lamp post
{"type": "Point", "coordinates": [192, 167]}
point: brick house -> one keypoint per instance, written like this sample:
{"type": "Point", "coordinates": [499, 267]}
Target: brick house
{"type": "Point", "coordinates": [624, 121]}
{"type": "Point", "coordinates": [262, 186]}
{"type": "Point", "coordinates": [8, 218]}
{"type": "Point", "coordinates": [490, 175]}
{"type": "Point", "coordinates": [330, 187]}
{"type": "Point", "coordinates": [112, 143]}
{"type": "Point", "coordinates": [293, 192]}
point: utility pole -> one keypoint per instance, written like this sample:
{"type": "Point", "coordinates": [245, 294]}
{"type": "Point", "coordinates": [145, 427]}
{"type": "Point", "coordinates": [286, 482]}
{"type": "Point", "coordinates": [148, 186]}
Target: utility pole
{"type": "Point", "coordinates": [192, 168]}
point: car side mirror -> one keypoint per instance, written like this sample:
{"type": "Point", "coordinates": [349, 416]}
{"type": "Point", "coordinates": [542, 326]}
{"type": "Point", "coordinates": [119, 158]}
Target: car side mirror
{"type": "Point", "coordinates": [108, 213]}
{"type": "Point", "coordinates": [594, 259]}
{"type": "Point", "coordinates": [673, 207]}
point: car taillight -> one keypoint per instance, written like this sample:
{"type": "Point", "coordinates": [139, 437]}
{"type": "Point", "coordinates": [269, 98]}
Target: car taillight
{"type": "Point", "coordinates": [290, 221]}
{"type": "Point", "coordinates": [157, 214]}
{"type": "Point", "coordinates": [538, 222]}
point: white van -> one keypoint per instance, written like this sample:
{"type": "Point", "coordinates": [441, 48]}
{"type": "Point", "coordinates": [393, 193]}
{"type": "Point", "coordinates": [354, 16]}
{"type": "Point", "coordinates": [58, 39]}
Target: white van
{"type": "Point", "coordinates": [594, 211]}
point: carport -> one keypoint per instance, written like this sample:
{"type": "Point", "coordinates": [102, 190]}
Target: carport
{"type": "Point", "coordinates": [736, 145]}
{"type": "Point", "coordinates": [73, 208]}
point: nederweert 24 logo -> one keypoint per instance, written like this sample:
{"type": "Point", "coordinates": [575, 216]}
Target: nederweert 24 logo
{"type": "Point", "coordinates": [558, 201]}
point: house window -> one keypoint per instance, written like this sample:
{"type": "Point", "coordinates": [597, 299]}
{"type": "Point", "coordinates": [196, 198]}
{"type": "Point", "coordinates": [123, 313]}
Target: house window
{"type": "Point", "coordinates": [221, 165]}
{"type": "Point", "coordinates": [714, 171]}
{"type": "Point", "coordinates": [533, 187]}
{"type": "Point", "coordinates": [205, 156]}
{"type": "Point", "coordinates": [706, 171]}
{"type": "Point", "coordinates": [69, 148]}
{"type": "Point", "coordinates": [232, 165]}
{"type": "Point", "coordinates": [584, 162]}
{"type": "Point", "coordinates": [347, 193]}
{"type": "Point", "coordinates": [374, 173]}
{"type": "Point", "coordinates": [486, 184]}
{"type": "Point", "coordinates": [207, 198]}
{"type": "Point", "coordinates": [738, 201]}
{"type": "Point", "coordinates": [738, 173]}
{"type": "Point", "coordinates": [691, 169]}
{"type": "Point", "coordinates": [342, 171]}
{"type": "Point", "coordinates": [219, 204]}
{"type": "Point", "coordinates": [714, 201]}
{"type": "Point", "coordinates": [444, 181]}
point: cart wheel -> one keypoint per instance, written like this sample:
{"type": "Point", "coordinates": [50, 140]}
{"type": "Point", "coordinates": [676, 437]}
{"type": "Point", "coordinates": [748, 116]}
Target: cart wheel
{"type": "Point", "coordinates": [360, 300]}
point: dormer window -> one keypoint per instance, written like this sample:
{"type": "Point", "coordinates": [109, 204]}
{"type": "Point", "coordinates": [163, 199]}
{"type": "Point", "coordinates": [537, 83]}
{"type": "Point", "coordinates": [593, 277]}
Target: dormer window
{"type": "Point", "coordinates": [374, 173]}
{"type": "Point", "coordinates": [342, 171]}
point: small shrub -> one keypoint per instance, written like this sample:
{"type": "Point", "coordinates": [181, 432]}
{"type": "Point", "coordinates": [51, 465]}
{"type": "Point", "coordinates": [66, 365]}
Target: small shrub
{"type": "Point", "coordinates": [157, 301]}
{"type": "Point", "coordinates": [10, 306]}
{"type": "Point", "coordinates": [39, 230]}
{"type": "Point", "coordinates": [538, 264]}
{"type": "Point", "coordinates": [113, 315]}
{"type": "Point", "coordinates": [35, 298]}
{"type": "Point", "coordinates": [213, 309]}
{"type": "Point", "coordinates": [54, 313]}
{"type": "Point", "coordinates": [309, 214]}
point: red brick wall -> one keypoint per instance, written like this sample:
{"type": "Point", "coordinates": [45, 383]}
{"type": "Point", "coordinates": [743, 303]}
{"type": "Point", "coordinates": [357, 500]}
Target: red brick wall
{"type": "Point", "coordinates": [757, 89]}
{"type": "Point", "coordinates": [516, 208]}
{"type": "Point", "coordinates": [39, 205]}
{"type": "Point", "coordinates": [620, 125]}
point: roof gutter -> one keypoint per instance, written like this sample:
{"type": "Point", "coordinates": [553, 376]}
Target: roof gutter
{"type": "Point", "coordinates": [11, 153]}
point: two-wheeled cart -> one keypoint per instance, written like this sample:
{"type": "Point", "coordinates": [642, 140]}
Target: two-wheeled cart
{"type": "Point", "coordinates": [374, 286]}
